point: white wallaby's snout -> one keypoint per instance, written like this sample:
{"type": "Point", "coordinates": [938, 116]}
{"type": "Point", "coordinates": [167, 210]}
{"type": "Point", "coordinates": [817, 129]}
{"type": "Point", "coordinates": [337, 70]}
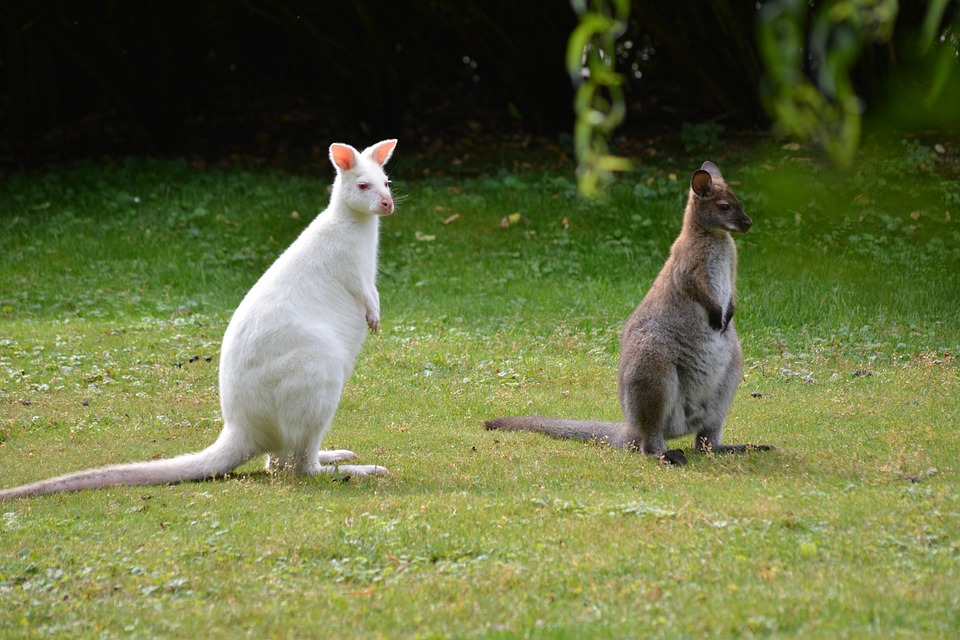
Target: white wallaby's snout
{"type": "Point", "coordinates": [386, 204]}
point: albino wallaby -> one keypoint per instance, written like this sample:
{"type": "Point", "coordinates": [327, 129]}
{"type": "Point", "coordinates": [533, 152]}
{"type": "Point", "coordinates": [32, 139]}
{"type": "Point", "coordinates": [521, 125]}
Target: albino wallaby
{"type": "Point", "coordinates": [680, 359]}
{"type": "Point", "coordinates": [289, 347]}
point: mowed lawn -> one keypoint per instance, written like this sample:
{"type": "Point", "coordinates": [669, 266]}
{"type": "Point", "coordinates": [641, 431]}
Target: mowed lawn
{"type": "Point", "coordinates": [501, 294]}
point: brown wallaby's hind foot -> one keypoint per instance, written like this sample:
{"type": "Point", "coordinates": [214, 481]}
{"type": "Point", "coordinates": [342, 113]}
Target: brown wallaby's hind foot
{"type": "Point", "coordinates": [703, 446]}
{"type": "Point", "coordinates": [673, 457]}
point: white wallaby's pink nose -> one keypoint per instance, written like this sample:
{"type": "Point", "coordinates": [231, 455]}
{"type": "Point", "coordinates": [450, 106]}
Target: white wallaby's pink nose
{"type": "Point", "coordinates": [386, 204]}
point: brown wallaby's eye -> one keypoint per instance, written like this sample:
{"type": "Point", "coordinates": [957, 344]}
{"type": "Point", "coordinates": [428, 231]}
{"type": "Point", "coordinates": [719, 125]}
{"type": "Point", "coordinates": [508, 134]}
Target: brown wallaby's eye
{"type": "Point", "coordinates": [724, 206]}
{"type": "Point", "coordinates": [363, 186]}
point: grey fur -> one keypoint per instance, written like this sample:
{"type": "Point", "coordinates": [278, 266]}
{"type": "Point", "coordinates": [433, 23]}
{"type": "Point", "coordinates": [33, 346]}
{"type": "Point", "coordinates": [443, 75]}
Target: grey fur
{"type": "Point", "coordinates": [680, 358]}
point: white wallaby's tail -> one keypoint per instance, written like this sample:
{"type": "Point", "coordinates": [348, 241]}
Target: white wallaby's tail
{"type": "Point", "coordinates": [220, 458]}
{"type": "Point", "coordinates": [611, 433]}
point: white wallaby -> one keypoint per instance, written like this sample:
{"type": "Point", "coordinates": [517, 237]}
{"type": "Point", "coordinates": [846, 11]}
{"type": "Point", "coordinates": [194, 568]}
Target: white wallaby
{"type": "Point", "coordinates": [289, 347]}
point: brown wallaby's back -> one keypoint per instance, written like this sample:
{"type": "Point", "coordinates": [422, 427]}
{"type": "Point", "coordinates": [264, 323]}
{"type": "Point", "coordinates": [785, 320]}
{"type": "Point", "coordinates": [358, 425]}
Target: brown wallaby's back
{"type": "Point", "coordinates": [680, 358]}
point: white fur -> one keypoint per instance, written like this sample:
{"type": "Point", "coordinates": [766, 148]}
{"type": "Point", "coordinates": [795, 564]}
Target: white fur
{"type": "Point", "coordinates": [290, 346]}
{"type": "Point", "coordinates": [292, 342]}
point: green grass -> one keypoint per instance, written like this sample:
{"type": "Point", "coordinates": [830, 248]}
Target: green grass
{"type": "Point", "coordinates": [117, 284]}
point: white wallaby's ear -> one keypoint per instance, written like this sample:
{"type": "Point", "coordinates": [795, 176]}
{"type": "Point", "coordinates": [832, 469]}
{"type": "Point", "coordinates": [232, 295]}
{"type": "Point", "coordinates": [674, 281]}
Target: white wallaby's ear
{"type": "Point", "coordinates": [701, 183]}
{"type": "Point", "coordinates": [343, 156]}
{"type": "Point", "coordinates": [382, 151]}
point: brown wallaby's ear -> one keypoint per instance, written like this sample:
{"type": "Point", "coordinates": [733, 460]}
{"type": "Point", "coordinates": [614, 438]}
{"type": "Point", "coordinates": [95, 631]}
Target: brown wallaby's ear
{"type": "Point", "coordinates": [343, 156]}
{"type": "Point", "coordinates": [712, 169]}
{"type": "Point", "coordinates": [701, 183]}
{"type": "Point", "coordinates": [382, 151]}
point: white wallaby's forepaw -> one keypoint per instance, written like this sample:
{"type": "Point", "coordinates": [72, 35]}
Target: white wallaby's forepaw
{"type": "Point", "coordinates": [335, 455]}
{"type": "Point", "coordinates": [373, 321]}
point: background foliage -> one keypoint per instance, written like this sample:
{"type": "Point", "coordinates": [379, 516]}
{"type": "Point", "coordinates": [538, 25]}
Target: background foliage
{"type": "Point", "coordinates": [275, 79]}
{"type": "Point", "coordinates": [810, 54]}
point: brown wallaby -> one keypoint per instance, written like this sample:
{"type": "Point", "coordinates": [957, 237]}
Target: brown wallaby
{"type": "Point", "coordinates": [680, 358]}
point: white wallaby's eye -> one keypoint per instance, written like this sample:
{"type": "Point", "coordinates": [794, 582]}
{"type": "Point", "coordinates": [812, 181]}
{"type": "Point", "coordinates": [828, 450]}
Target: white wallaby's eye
{"type": "Point", "coordinates": [363, 186]}
{"type": "Point", "coordinates": [387, 184]}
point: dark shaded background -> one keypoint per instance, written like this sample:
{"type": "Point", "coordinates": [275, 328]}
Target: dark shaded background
{"type": "Point", "coordinates": [270, 82]}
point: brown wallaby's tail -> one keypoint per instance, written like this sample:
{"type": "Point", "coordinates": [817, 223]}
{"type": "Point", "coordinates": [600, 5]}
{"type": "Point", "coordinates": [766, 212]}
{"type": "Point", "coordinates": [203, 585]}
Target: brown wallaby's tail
{"type": "Point", "coordinates": [611, 433]}
{"type": "Point", "coordinates": [220, 458]}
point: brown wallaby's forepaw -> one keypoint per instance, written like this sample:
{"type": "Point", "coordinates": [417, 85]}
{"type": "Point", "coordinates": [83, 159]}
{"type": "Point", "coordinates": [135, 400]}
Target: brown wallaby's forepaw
{"type": "Point", "coordinates": [715, 318]}
{"type": "Point", "coordinates": [673, 457]}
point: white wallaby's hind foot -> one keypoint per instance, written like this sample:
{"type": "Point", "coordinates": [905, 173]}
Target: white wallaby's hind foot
{"type": "Point", "coordinates": [329, 456]}
{"type": "Point", "coordinates": [349, 470]}
{"type": "Point", "coordinates": [328, 459]}
{"type": "Point", "coordinates": [325, 464]}
{"type": "Point", "coordinates": [335, 455]}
